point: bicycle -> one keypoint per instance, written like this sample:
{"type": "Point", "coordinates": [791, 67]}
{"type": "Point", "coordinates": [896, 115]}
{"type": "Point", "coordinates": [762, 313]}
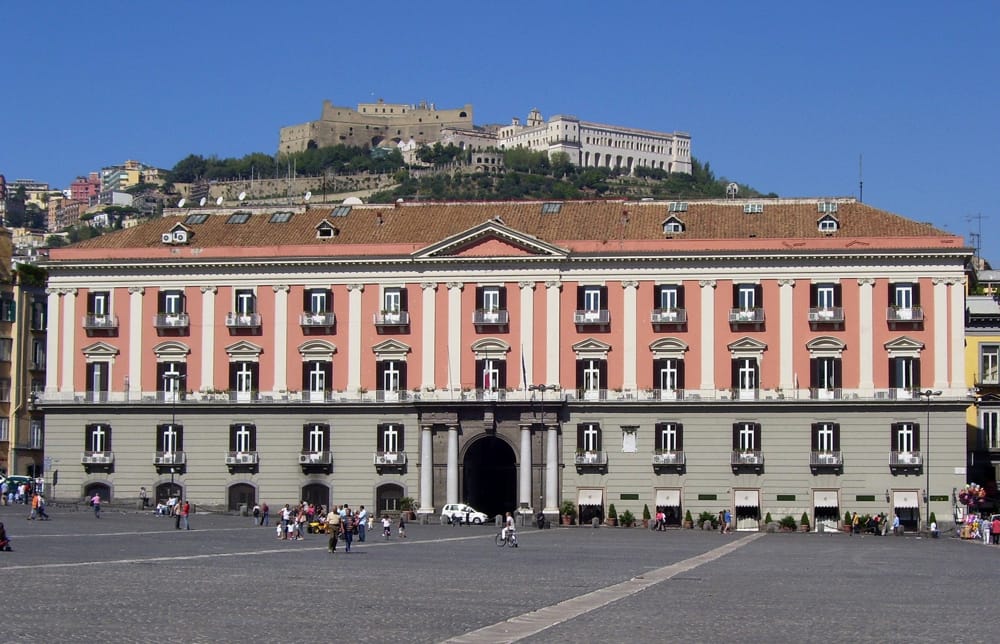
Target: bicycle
{"type": "Point", "coordinates": [510, 539]}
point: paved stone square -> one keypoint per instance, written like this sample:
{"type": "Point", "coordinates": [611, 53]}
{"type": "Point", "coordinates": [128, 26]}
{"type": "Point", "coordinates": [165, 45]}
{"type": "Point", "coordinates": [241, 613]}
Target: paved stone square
{"type": "Point", "coordinates": [133, 577]}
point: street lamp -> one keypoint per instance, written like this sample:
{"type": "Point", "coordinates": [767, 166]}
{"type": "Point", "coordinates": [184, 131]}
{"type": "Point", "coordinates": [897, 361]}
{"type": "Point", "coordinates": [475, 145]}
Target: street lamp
{"type": "Point", "coordinates": [927, 394]}
{"type": "Point", "coordinates": [174, 379]}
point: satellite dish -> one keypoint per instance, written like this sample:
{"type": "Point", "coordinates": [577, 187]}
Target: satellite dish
{"type": "Point", "coordinates": [203, 201]}
{"type": "Point", "coordinates": [732, 190]}
{"type": "Point", "coordinates": [180, 204]}
{"type": "Point", "coordinates": [308, 196]}
{"type": "Point", "coordinates": [243, 195]}
{"type": "Point", "coordinates": [218, 202]}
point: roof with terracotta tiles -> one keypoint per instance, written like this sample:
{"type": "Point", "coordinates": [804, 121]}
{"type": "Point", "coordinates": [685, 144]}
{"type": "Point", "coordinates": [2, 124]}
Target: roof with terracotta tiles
{"type": "Point", "coordinates": [579, 226]}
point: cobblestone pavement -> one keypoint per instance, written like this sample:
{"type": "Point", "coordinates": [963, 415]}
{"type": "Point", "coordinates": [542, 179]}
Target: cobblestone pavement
{"type": "Point", "coordinates": [133, 577]}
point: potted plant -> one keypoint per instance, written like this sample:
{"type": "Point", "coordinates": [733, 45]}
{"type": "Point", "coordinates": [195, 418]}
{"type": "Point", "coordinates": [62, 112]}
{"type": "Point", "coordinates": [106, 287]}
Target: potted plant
{"type": "Point", "coordinates": [407, 504]}
{"type": "Point", "coordinates": [708, 518]}
{"type": "Point", "coordinates": [628, 519]}
{"type": "Point", "coordinates": [787, 523]}
{"type": "Point", "coordinates": [612, 515]}
{"type": "Point", "coordinates": [767, 518]}
{"type": "Point", "coordinates": [847, 522]}
{"type": "Point", "coordinates": [804, 523]}
{"type": "Point", "coordinates": [568, 512]}
{"type": "Point", "coordinates": [688, 521]}
{"type": "Point", "coordinates": [645, 515]}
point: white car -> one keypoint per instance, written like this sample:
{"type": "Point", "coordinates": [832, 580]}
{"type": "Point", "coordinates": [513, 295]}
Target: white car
{"type": "Point", "coordinates": [461, 513]}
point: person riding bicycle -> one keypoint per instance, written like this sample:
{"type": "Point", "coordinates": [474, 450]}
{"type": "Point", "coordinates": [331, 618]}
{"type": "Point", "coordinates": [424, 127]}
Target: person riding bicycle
{"type": "Point", "coordinates": [509, 529]}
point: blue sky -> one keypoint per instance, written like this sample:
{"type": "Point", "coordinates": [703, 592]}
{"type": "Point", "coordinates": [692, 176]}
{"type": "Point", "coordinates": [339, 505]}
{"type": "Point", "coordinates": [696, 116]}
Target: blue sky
{"type": "Point", "coordinates": [783, 96]}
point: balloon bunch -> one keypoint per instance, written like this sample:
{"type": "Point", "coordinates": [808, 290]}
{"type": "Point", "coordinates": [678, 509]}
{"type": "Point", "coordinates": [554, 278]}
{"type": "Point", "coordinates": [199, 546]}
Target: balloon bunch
{"type": "Point", "coordinates": [972, 495]}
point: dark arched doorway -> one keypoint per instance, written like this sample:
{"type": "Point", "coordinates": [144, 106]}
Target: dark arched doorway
{"type": "Point", "coordinates": [317, 494]}
{"type": "Point", "coordinates": [102, 489]}
{"type": "Point", "coordinates": [489, 481]}
{"type": "Point", "coordinates": [241, 494]}
{"type": "Point", "coordinates": [387, 498]}
{"type": "Point", "coordinates": [164, 491]}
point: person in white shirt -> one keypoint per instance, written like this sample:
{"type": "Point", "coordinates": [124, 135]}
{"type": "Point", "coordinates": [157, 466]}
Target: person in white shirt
{"type": "Point", "coordinates": [509, 528]}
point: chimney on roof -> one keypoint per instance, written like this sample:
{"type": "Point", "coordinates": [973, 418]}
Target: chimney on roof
{"type": "Point", "coordinates": [378, 218]}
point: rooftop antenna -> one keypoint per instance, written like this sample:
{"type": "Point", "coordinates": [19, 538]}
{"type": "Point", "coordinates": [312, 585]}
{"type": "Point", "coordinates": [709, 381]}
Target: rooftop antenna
{"type": "Point", "coordinates": [861, 179]}
{"type": "Point", "coordinates": [978, 235]}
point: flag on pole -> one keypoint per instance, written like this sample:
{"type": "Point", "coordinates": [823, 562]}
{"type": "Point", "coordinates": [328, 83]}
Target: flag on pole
{"type": "Point", "coordinates": [524, 370]}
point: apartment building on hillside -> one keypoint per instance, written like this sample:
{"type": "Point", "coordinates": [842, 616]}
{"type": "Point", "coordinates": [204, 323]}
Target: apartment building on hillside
{"type": "Point", "coordinates": [767, 356]}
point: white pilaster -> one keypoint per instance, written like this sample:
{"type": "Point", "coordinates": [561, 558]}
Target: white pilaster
{"type": "Point", "coordinates": [866, 335]}
{"type": "Point", "coordinates": [454, 342]}
{"type": "Point", "coordinates": [551, 469]}
{"type": "Point", "coordinates": [786, 325]}
{"type": "Point", "coordinates": [707, 340]}
{"type": "Point", "coordinates": [281, 337]}
{"type": "Point", "coordinates": [135, 320]}
{"type": "Point", "coordinates": [552, 289]}
{"type": "Point", "coordinates": [527, 326]}
{"type": "Point", "coordinates": [426, 470]}
{"type": "Point", "coordinates": [957, 306]}
{"type": "Point", "coordinates": [69, 339]}
{"type": "Point", "coordinates": [427, 335]}
{"type": "Point", "coordinates": [941, 315]}
{"type": "Point", "coordinates": [208, 294]}
{"type": "Point", "coordinates": [629, 335]}
{"type": "Point", "coordinates": [52, 341]}
{"type": "Point", "coordinates": [451, 493]}
{"type": "Point", "coordinates": [354, 323]}
{"type": "Point", "coordinates": [524, 473]}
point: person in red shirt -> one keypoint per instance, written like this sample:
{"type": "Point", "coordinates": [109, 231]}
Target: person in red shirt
{"type": "Point", "coordinates": [185, 512]}
{"type": "Point", "coordinates": [995, 529]}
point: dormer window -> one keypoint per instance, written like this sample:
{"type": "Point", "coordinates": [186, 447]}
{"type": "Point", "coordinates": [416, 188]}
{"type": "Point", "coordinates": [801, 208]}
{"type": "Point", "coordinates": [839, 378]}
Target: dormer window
{"type": "Point", "coordinates": [326, 230]}
{"type": "Point", "coordinates": [672, 226]}
{"type": "Point", "coordinates": [828, 225]}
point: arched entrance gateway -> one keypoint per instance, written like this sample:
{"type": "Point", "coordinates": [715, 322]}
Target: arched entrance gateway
{"type": "Point", "coordinates": [317, 494]}
{"type": "Point", "coordinates": [241, 494]}
{"type": "Point", "coordinates": [489, 480]}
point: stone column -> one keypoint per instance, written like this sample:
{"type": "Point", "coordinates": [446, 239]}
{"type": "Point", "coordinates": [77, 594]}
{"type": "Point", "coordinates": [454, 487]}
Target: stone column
{"type": "Point", "coordinates": [52, 341]}
{"type": "Point", "coordinates": [527, 326]}
{"type": "Point", "coordinates": [451, 492]}
{"type": "Point", "coordinates": [707, 340]}
{"type": "Point", "coordinates": [281, 338]}
{"type": "Point", "coordinates": [135, 356]}
{"type": "Point", "coordinates": [629, 335]}
{"type": "Point", "coordinates": [208, 294]}
{"type": "Point", "coordinates": [454, 347]}
{"type": "Point", "coordinates": [69, 326]}
{"type": "Point", "coordinates": [427, 336]}
{"type": "Point", "coordinates": [552, 290]}
{"type": "Point", "coordinates": [524, 473]}
{"type": "Point", "coordinates": [786, 326]}
{"type": "Point", "coordinates": [426, 470]}
{"type": "Point", "coordinates": [551, 469]}
{"type": "Point", "coordinates": [957, 305]}
{"type": "Point", "coordinates": [866, 336]}
{"type": "Point", "coordinates": [354, 323]}
{"type": "Point", "coordinates": [941, 311]}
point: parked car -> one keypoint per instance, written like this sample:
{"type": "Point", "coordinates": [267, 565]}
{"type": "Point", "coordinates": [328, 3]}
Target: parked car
{"type": "Point", "coordinates": [461, 513]}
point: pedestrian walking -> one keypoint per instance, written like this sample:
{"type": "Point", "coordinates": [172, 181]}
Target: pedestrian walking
{"type": "Point", "coordinates": [402, 525]}
{"type": "Point", "coordinates": [362, 523]}
{"type": "Point", "coordinates": [144, 497]}
{"type": "Point", "coordinates": [265, 515]}
{"type": "Point", "coordinates": [95, 501]}
{"type": "Point", "coordinates": [349, 527]}
{"type": "Point", "coordinates": [333, 527]}
{"type": "Point", "coordinates": [256, 514]}
{"type": "Point", "coordinates": [185, 514]}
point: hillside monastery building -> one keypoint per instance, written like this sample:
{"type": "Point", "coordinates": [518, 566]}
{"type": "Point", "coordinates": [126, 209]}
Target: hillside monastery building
{"type": "Point", "coordinates": [766, 356]}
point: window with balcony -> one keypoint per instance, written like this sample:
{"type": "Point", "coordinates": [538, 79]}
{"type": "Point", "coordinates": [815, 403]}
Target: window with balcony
{"type": "Point", "coordinates": [904, 302]}
{"type": "Point", "coordinates": [669, 304]}
{"type": "Point", "coordinates": [669, 446]}
{"type": "Point", "coordinates": [591, 378]}
{"type": "Point", "coordinates": [590, 453]}
{"type": "Point", "coordinates": [747, 304]}
{"type": "Point", "coordinates": [391, 378]}
{"type": "Point", "coordinates": [491, 306]}
{"type": "Point", "coordinates": [242, 445]}
{"type": "Point", "coordinates": [171, 309]}
{"type": "Point", "coordinates": [668, 377]}
{"type": "Point", "coordinates": [825, 377]}
{"type": "Point", "coordinates": [170, 438]}
{"type": "Point", "coordinates": [747, 446]}
{"type": "Point", "coordinates": [394, 311]}
{"type": "Point", "coordinates": [491, 374]}
{"type": "Point", "coordinates": [36, 434]}
{"type": "Point", "coordinates": [98, 375]}
{"type": "Point", "coordinates": [989, 364]}
{"type": "Point", "coordinates": [171, 379]}
{"type": "Point", "coordinates": [591, 306]}
{"type": "Point", "coordinates": [825, 304]}
{"type": "Point", "coordinates": [315, 438]}
{"type": "Point", "coordinates": [390, 447]}
{"type": "Point", "coordinates": [317, 308]}
{"type": "Point", "coordinates": [39, 315]}
{"type": "Point", "coordinates": [244, 377]}
{"type": "Point", "coordinates": [99, 317]}
{"type": "Point", "coordinates": [825, 446]}
{"type": "Point", "coordinates": [97, 441]}
{"type": "Point", "coordinates": [37, 360]}
{"type": "Point", "coordinates": [904, 443]}
{"type": "Point", "coordinates": [245, 301]}
{"type": "Point", "coordinates": [745, 377]}
{"type": "Point", "coordinates": [317, 379]}
{"type": "Point", "coordinates": [990, 422]}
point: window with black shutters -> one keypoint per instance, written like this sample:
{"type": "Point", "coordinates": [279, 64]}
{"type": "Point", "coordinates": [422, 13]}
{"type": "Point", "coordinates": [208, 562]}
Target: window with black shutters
{"type": "Point", "coordinates": [904, 295]}
{"type": "Point", "coordinates": [245, 301]}
{"type": "Point", "coordinates": [747, 297]}
{"type": "Point", "coordinates": [669, 437]}
{"type": "Point", "coordinates": [745, 374]}
{"type": "Point", "coordinates": [905, 437]}
{"type": "Point", "coordinates": [98, 376]}
{"type": "Point", "coordinates": [394, 300]}
{"type": "Point", "coordinates": [391, 375]}
{"type": "Point", "coordinates": [669, 297]}
{"type": "Point", "coordinates": [591, 298]}
{"type": "Point", "coordinates": [243, 437]}
{"type": "Point", "coordinates": [169, 438]}
{"type": "Point", "coordinates": [825, 437]}
{"type": "Point", "coordinates": [317, 376]}
{"type": "Point", "coordinates": [243, 376]}
{"type": "Point", "coordinates": [825, 373]}
{"type": "Point", "coordinates": [317, 300]}
{"type": "Point", "coordinates": [97, 437]}
{"type": "Point", "coordinates": [904, 373]}
{"type": "Point", "coordinates": [315, 437]}
{"type": "Point", "coordinates": [591, 374]}
{"type": "Point", "coordinates": [746, 437]}
{"type": "Point", "coordinates": [491, 298]}
{"type": "Point", "coordinates": [171, 302]}
{"type": "Point", "coordinates": [824, 296]}
{"type": "Point", "coordinates": [668, 374]}
{"type": "Point", "coordinates": [99, 303]}
{"type": "Point", "coordinates": [491, 374]}
{"type": "Point", "coordinates": [390, 437]}
{"type": "Point", "coordinates": [588, 437]}
{"type": "Point", "coordinates": [171, 376]}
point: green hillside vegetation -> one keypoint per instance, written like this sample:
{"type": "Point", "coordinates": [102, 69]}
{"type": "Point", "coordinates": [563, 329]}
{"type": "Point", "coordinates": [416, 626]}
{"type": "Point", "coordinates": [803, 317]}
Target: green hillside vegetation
{"type": "Point", "coordinates": [527, 175]}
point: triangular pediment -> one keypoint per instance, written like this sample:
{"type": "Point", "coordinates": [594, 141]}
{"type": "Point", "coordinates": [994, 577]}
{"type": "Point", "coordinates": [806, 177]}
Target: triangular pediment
{"type": "Point", "coordinates": [747, 345]}
{"type": "Point", "coordinates": [592, 349]}
{"type": "Point", "coordinates": [100, 350]}
{"type": "Point", "coordinates": [390, 350]}
{"type": "Point", "coordinates": [243, 349]}
{"type": "Point", "coordinates": [904, 343]}
{"type": "Point", "coordinates": [491, 239]}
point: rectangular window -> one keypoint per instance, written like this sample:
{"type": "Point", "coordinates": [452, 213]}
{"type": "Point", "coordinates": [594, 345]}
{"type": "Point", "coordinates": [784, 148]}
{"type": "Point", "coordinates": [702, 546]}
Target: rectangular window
{"type": "Point", "coordinates": [245, 301]}
{"type": "Point", "coordinates": [4, 429]}
{"type": "Point", "coordinates": [904, 373]}
{"type": "Point", "coordinates": [97, 438]}
{"type": "Point", "coordinates": [592, 300]}
{"type": "Point", "coordinates": [6, 348]}
{"type": "Point", "coordinates": [8, 308]}
{"type": "Point", "coordinates": [171, 378]}
{"type": "Point", "coordinates": [36, 435]}
{"type": "Point", "coordinates": [315, 437]}
{"type": "Point", "coordinates": [991, 429]}
{"type": "Point", "coordinates": [38, 354]}
{"type": "Point", "coordinates": [99, 303]}
{"type": "Point", "coordinates": [669, 297]}
{"type": "Point", "coordinates": [5, 390]}
{"type": "Point", "coordinates": [491, 298]}
{"type": "Point", "coordinates": [669, 437]}
{"type": "Point", "coordinates": [243, 437]}
{"type": "Point", "coordinates": [906, 437]}
{"type": "Point", "coordinates": [825, 296]}
{"type": "Point", "coordinates": [491, 374]}
{"type": "Point", "coordinates": [318, 300]}
{"type": "Point", "coordinates": [826, 437]}
{"type": "Point", "coordinates": [989, 364]}
{"type": "Point", "coordinates": [825, 373]}
{"type": "Point", "coordinates": [745, 374]}
{"type": "Point", "coordinates": [588, 437]}
{"type": "Point", "coordinates": [171, 302]}
{"type": "Point", "coordinates": [904, 295]}
{"type": "Point", "coordinates": [390, 437]}
{"type": "Point", "coordinates": [591, 375]}
{"type": "Point", "coordinates": [98, 377]}
{"type": "Point", "coordinates": [39, 314]}
{"type": "Point", "coordinates": [391, 375]}
{"type": "Point", "coordinates": [393, 300]}
{"type": "Point", "coordinates": [317, 376]}
{"type": "Point", "coordinates": [169, 438]}
{"type": "Point", "coordinates": [746, 437]}
{"type": "Point", "coordinates": [668, 374]}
